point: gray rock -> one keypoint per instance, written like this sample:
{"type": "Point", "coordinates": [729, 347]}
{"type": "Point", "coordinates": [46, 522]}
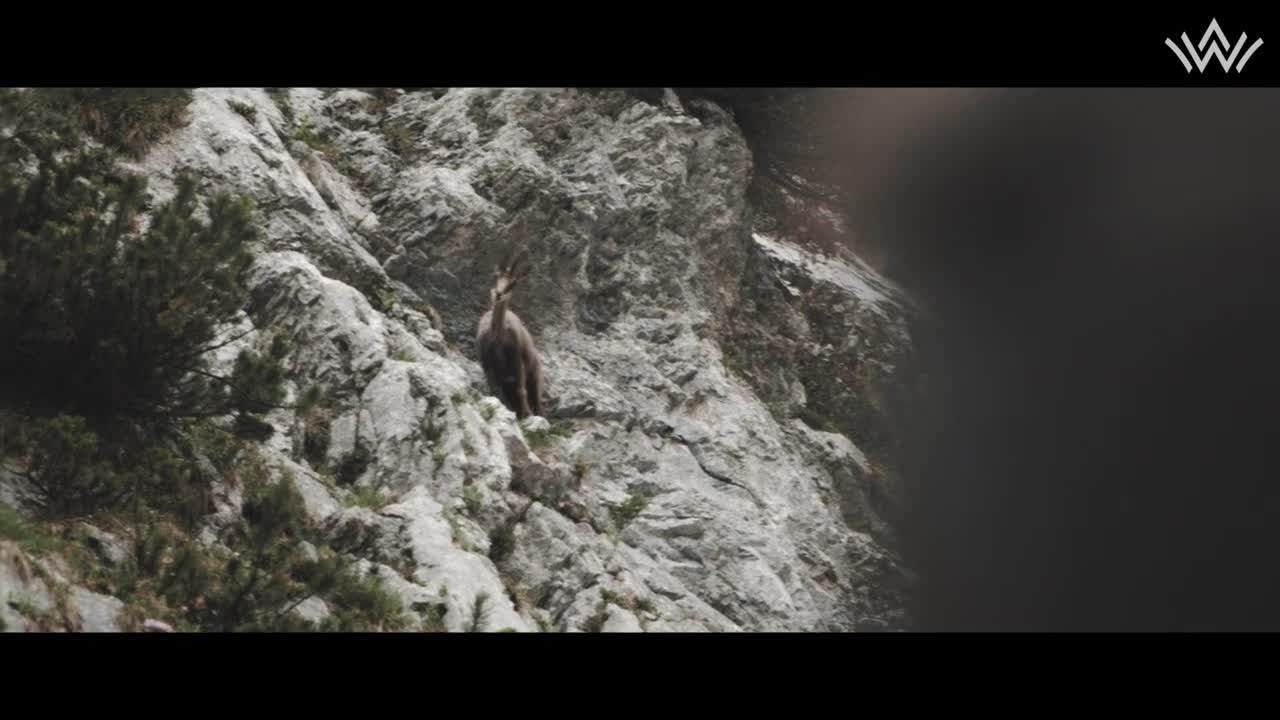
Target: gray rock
{"type": "Point", "coordinates": [309, 551]}
{"type": "Point", "coordinates": [24, 596]}
{"type": "Point", "coordinates": [110, 549]}
{"type": "Point", "coordinates": [35, 597]}
{"type": "Point", "coordinates": [535, 425]}
{"type": "Point", "coordinates": [151, 625]}
{"type": "Point", "coordinates": [312, 609]}
{"type": "Point", "coordinates": [619, 621]}
{"type": "Point", "coordinates": [98, 613]}
{"type": "Point", "coordinates": [316, 497]}
{"type": "Point", "coordinates": [461, 577]}
{"type": "Point", "coordinates": [224, 152]}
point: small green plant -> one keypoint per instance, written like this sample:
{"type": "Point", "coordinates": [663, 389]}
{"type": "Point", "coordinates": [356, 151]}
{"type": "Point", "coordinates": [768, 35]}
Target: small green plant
{"type": "Point", "coordinates": [487, 412]}
{"type": "Point", "coordinates": [432, 430]}
{"type": "Point", "coordinates": [383, 298]}
{"type": "Point", "coordinates": [149, 552]}
{"type": "Point", "coordinates": [502, 542]}
{"type": "Point", "coordinates": [471, 499]}
{"type": "Point", "coordinates": [244, 110]}
{"type": "Point", "coordinates": [400, 140]}
{"type": "Point", "coordinates": [626, 602]}
{"type": "Point", "coordinates": [371, 497]}
{"type": "Point", "coordinates": [479, 618]}
{"type": "Point", "coordinates": [306, 133]}
{"type": "Point", "coordinates": [629, 510]}
{"type": "Point", "coordinates": [433, 619]}
{"type": "Point", "coordinates": [30, 537]}
{"type": "Point", "coordinates": [281, 98]}
{"type": "Point", "coordinates": [537, 439]}
{"type": "Point", "coordinates": [353, 464]}
{"type": "Point", "coordinates": [455, 530]}
{"type": "Point", "coordinates": [541, 439]}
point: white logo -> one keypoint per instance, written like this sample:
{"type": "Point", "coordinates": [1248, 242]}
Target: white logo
{"type": "Point", "coordinates": [1218, 48]}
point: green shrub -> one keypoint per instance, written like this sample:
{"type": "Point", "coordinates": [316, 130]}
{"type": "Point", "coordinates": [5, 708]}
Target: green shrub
{"type": "Point", "coordinates": [102, 320]}
{"type": "Point", "coordinates": [107, 391]}
{"type": "Point", "coordinates": [361, 604]}
{"type": "Point", "coordinates": [263, 578]}
{"type": "Point", "coordinates": [127, 120]}
{"type": "Point", "coordinates": [244, 110]}
{"type": "Point", "coordinates": [307, 134]}
{"type": "Point", "coordinates": [629, 510]}
{"type": "Point", "coordinates": [268, 575]}
{"type": "Point", "coordinates": [30, 537]}
{"type": "Point", "coordinates": [68, 467]}
{"type": "Point", "coordinates": [108, 326]}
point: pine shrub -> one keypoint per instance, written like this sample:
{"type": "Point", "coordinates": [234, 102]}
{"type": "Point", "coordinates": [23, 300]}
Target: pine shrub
{"type": "Point", "coordinates": [127, 120]}
{"type": "Point", "coordinates": [103, 320]}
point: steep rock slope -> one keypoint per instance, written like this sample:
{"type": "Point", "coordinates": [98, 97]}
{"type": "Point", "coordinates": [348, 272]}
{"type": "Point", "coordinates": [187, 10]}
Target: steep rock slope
{"type": "Point", "coordinates": [670, 487]}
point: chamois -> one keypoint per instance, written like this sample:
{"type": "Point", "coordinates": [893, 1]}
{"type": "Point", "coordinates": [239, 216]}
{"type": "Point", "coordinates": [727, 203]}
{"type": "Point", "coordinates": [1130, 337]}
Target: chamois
{"type": "Point", "coordinates": [510, 360]}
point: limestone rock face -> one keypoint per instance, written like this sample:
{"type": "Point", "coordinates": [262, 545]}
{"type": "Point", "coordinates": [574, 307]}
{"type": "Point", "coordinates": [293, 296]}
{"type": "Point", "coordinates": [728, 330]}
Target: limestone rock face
{"type": "Point", "coordinates": [670, 487]}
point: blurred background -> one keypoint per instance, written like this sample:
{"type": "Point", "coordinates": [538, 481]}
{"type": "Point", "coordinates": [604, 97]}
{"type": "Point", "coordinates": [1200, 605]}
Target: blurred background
{"type": "Point", "coordinates": [1092, 449]}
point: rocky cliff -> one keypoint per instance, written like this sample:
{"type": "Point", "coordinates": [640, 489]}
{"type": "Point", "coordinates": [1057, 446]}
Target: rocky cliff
{"type": "Point", "coordinates": [711, 386]}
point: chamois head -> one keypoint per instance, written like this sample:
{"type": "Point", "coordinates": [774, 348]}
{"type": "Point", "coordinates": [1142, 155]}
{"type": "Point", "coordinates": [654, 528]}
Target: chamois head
{"type": "Point", "coordinates": [509, 272]}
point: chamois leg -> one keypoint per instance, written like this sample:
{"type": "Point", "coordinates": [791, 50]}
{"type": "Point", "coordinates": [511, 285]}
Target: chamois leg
{"type": "Point", "coordinates": [534, 390]}
{"type": "Point", "coordinates": [522, 392]}
{"type": "Point", "coordinates": [495, 383]}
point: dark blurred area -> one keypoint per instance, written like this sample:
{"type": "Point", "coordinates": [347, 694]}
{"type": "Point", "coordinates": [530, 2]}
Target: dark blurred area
{"type": "Point", "coordinates": [1097, 448]}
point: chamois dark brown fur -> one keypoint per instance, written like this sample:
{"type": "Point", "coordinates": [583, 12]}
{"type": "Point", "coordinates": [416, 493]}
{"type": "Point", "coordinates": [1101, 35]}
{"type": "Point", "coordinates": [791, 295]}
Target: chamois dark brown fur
{"type": "Point", "coordinates": [507, 352]}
